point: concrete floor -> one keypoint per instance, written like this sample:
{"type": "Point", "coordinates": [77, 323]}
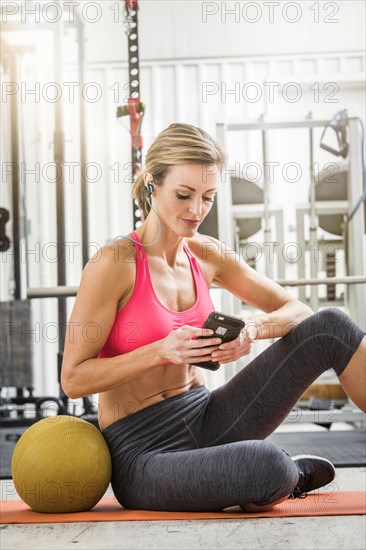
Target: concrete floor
{"type": "Point", "coordinates": [295, 533]}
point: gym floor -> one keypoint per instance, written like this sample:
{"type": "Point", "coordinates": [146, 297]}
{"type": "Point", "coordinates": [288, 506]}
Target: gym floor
{"type": "Point", "coordinates": [297, 533]}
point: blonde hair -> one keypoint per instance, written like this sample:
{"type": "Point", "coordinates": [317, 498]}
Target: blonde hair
{"type": "Point", "coordinates": [178, 144]}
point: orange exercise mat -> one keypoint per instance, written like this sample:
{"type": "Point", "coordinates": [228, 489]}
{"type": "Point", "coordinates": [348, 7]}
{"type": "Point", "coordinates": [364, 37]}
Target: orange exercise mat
{"type": "Point", "coordinates": [315, 504]}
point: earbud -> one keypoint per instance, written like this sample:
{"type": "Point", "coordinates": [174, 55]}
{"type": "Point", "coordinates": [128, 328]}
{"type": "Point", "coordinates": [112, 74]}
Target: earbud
{"type": "Point", "coordinates": [150, 188]}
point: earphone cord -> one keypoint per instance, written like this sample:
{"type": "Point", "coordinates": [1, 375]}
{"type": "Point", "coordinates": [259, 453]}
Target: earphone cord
{"type": "Point", "coordinates": [160, 229]}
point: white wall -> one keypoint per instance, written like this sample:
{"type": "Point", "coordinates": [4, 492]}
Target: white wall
{"type": "Point", "coordinates": [181, 29]}
{"type": "Point", "coordinates": [181, 59]}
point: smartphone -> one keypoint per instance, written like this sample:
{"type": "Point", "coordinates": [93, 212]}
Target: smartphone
{"type": "Point", "coordinates": [225, 327]}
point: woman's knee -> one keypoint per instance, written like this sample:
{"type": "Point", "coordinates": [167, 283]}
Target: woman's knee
{"type": "Point", "coordinates": [331, 317]}
{"type": "Point", "coordinates": [329, 326]}
{"type": "Point", "coordinates": [275, 474]}
{"type": "Point", "coordinates": [337, 325]}
{"type": "Point", "coordinates": [331, 337]}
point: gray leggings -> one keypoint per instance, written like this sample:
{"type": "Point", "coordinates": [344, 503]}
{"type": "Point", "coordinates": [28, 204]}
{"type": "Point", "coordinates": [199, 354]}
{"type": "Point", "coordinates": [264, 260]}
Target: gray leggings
{"type": "Point", "coordinates": [206, 450]}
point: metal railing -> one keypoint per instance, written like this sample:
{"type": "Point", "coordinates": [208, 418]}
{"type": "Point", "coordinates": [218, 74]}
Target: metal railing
{"type": "Point", "coordinates": [67, 291]}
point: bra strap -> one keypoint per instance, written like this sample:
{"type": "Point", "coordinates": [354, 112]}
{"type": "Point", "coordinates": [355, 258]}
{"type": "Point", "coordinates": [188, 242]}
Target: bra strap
{"type": "Point", "coordinates": [138, 245]}
{"type": "Point", "coordinates": [188, 252]}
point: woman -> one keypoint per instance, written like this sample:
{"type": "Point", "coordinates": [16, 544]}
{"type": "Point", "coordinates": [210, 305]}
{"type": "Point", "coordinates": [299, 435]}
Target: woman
{"type": "Point", "coordinates": [132, 338]}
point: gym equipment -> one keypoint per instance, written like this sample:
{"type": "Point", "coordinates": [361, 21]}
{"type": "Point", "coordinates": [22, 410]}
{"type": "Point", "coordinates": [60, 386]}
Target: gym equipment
{"type": "Point", "coordinates": [4, 240]}
{"type": "Point", "coordinates": [334, 188]}
{"type": "Point", "coordinates": [344, 448]}
{"type": "Point", "coordinates": [243, 192]}
{"type": "Point", "coordinates": [15, 350]}
{"type": "Point", "coordinates": [329, 502]}
{"type": "Point", "coordinates": [356, 223]}
{"type": "Point", "coordinates": [61, 464]}
{"type": "Point", "coordinates": [134, 108]}
{"type": "Point", "coordinates": [16, 344]}
{"type": "Point", "coordinates": [339, 125]}
{"type": "Point", "coordinates": [247, 192]}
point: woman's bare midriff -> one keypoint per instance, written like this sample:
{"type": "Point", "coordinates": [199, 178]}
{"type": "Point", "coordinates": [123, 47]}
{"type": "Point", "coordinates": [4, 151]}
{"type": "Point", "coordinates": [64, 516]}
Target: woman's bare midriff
{"type": "Point", "coordinates": [157, 385]}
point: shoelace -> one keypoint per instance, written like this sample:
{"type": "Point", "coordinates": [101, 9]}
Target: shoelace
{"type": "Point", "coordinates": [297, 492]}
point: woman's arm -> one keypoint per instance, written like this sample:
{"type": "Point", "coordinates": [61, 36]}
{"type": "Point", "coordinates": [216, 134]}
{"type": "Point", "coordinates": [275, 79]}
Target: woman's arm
{"type": "Point", "coordinates": [105, 278]}
{"type": "Point", "coordinates": [282, 311]}
{"type": "Point", "coordinates": [103, 374]}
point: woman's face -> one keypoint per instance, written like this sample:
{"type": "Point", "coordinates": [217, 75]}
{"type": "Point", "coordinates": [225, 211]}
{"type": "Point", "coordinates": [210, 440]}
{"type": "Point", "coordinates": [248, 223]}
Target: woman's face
{"type": "Point", "coordinates": [186, 196]}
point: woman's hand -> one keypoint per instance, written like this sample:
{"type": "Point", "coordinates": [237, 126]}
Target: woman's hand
{"type": "Point", "coordinates": [182, 345]}
{"type": "Point", "coordinates": [231, 351]}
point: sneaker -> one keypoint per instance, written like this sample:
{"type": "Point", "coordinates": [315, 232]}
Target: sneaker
{"type": "Point", "coordinates": [314, 472]}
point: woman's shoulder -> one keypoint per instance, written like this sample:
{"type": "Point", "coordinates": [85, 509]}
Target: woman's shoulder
{"type": "Point", "coordinates": [115, 250]}
{"type": "Point", "coordinates": [105, 278]}
{"type": "Point", "coordinates": [116, 257]}
{"type": "Point", "coordinates": [205, 248]}
{"type": "Point", "coordinates": [201, 242]}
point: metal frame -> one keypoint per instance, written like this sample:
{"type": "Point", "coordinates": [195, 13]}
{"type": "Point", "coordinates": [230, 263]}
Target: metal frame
{"type": "Point", "coordinates": [356, 254]}
{"type": "Point", "coordinates": [15, 180]}
{"type": "Point", "coordinates": [356, 227]}
{"type": "Point", "coordinates": [324, 417]}
{"type": "Point", "coordinates": [69, 291]}
{"type": "Point", "coordinates": [247, 211]}
{"type": "Point", "coordinates": [302, 210]}
{"type": "Point", "coordinates": [20, 290]}
{"type": "Point", "coordinates": [135, 108]}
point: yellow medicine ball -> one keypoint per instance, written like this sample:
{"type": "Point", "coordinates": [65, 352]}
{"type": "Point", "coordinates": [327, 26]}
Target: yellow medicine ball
{"type": "Point", "coordinates": [61, 464]}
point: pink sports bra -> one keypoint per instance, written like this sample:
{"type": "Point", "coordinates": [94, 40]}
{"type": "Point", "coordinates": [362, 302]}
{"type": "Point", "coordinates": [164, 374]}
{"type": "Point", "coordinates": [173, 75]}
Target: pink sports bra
{"type": "Point", "coordinates": [144, 319]}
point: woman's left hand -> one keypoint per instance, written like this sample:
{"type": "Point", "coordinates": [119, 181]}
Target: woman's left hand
{"type": "Point", "coordinates": [231, 351]}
